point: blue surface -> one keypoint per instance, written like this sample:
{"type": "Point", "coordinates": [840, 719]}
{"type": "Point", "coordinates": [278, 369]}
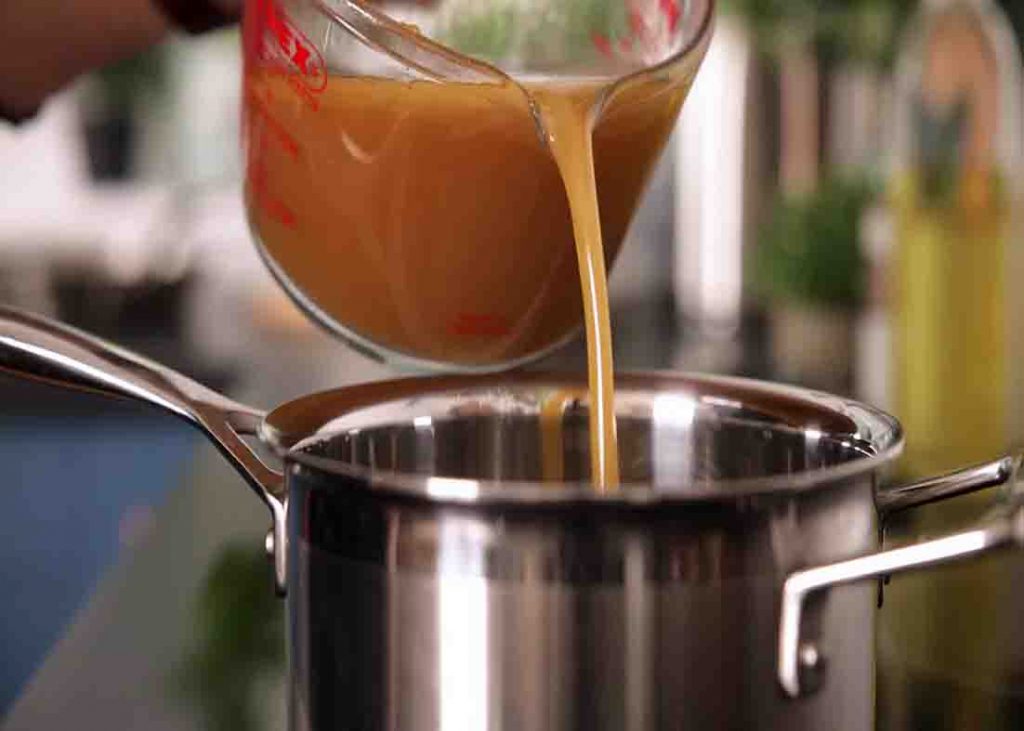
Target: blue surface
{"type": "Point", "coordinates": [68, 483]}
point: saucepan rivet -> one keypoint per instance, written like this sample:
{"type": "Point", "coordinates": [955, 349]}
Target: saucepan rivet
{"type": "Point", "coordinates": [810, 658]}
{"type": "Point", "coordinates": [812, 667]}
{"type": "Point", "coordinates": [268, 543]}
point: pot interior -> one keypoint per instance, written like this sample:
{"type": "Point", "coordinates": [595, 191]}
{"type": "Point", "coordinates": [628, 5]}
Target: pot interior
{"type": "Point", "coordinates": [677, 435]}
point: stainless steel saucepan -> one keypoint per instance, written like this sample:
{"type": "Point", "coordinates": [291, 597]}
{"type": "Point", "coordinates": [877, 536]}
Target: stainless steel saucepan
{"type": "Point", "coordinates": [448, 565]}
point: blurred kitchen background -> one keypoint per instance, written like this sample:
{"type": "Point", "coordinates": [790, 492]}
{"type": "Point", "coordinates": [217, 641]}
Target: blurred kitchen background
{"type": "Point", "coordinates": [839, 208]}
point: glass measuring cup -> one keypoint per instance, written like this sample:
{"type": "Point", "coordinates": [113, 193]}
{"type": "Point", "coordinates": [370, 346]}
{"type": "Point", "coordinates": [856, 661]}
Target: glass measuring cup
{"type": "Point", "coordinates": [398, 183]}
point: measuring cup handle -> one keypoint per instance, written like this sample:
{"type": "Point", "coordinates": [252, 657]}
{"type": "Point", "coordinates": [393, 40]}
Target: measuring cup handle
{"type": "Point", "coordinates": [801, 663]}
{"type": "Point", "coordinates": [43, 350]}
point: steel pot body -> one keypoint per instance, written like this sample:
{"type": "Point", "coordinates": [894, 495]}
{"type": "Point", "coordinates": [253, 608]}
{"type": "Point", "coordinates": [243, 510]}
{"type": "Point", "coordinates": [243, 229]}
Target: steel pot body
{"type": "Point", "coordinates": [448, 565]}
{"type": "Point", "coordinates": [405, 614]}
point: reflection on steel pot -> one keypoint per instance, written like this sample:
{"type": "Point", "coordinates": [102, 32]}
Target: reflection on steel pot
{"type": "Point", "coordinates": [448, 566]}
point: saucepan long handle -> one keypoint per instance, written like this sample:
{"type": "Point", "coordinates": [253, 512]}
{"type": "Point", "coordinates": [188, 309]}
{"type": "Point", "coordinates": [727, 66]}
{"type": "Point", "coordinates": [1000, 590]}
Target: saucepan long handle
{"type": "Point", "coordinates": [800, 661]}
{"type": "Point", "coordinates": [41, 349]}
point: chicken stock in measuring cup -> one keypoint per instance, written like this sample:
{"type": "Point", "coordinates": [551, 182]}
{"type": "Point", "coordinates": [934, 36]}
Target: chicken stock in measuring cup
{"type": "Point", "coordinates": [447, 185]}
{"type": "Point", "coordinates": [411, 205]}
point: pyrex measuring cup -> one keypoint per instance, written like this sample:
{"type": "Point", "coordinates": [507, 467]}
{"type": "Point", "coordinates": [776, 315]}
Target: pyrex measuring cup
{"type": "Point", "coordinates": [397, 182]}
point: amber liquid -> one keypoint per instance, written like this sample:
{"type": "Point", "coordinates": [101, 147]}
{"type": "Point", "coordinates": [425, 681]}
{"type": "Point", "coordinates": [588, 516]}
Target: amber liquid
{"type": "Point", "coordinates": [432, 219]}
{"type": "Point", "coordinates": [566, 114]}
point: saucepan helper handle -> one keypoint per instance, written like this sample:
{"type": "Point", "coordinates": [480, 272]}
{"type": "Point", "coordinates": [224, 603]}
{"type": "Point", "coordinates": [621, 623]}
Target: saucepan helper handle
{"type": "Point", "coordinates": [43, 350]}
{"type": "Point", "coordinates": [963, 482]}
{"type": "Point", "coordinates": [800, 660]}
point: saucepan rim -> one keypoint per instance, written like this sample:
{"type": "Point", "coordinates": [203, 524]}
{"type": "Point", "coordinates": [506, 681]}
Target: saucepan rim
{"type": "Point", "coordinates": [292, 427]}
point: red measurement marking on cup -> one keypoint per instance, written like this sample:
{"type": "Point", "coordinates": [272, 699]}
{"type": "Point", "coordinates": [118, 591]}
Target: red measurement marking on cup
{"type": "Point", "coordinates": [280, 44]}
{"type": "Point", "coordinates": [468, 324]}
{"type": "Point", "coordinates": [308, 97]}
{"type": "Point", "coordinates": [651, 26]}
{"type": "Point", "coordinates": [267, 201]}
{"type": "Point", "coordinates": [670, 9]}
{"type": "Point", "coordinates": [277, 131]}
{"type": "Point", "coordinates": [637, 24]}
{"type": "Point", "coordinates": [263, 133]}
{"type": "Point", "coordinates": [275, 208]}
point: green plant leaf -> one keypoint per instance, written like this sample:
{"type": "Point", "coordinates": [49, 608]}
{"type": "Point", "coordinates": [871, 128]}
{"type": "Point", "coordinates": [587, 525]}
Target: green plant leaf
{"type": "Point", "coordinates": [809, 251]}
